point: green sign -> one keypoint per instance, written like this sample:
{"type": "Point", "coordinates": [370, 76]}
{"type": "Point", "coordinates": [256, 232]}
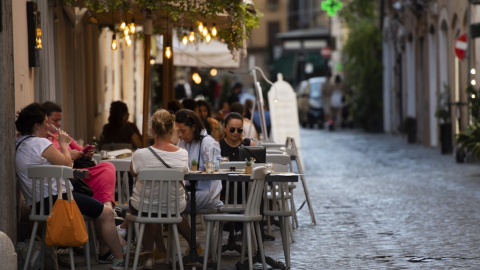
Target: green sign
{"type": "Point", "coordinates": [331, 7]}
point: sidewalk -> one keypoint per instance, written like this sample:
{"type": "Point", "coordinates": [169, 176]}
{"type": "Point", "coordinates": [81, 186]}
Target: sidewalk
{"type": "Point", "coordinates": [273, 249]}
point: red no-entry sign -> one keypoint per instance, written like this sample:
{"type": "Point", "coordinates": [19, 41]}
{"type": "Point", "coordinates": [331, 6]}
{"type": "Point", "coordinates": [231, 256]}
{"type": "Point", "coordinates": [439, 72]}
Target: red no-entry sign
{"type": "Point", "coordinates": [326, 52]}
{"type": "Point", "coordinates": [461, 46]}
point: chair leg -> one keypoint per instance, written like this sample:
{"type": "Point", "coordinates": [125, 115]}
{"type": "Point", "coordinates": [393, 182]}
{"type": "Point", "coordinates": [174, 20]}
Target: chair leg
{"type": "Point", "coordinates": [72, 259]}
{"type": "Point", "coordinates": [249, 246]}
{"type": "Point", "coordinates": [294, 212]}
{"type": "Point", "coordinates": [129, 241]}
{"type": "Point", "coordinates": [219, 244]}
{"type": "Point", "coordinates": [86, 247]}
{"type": "Point", "coordinates": [42, 252]}
{"type": "Point", "coordinates": [177, 244]}
{"type": "Point", "coordinates": [284, 230]}
{"type": "Point", "coordinates": [207, 244]}
{"type": "Point", "coordinates": [139, 244]}
{"type": "Point", "coordinates": [260, 244]}
{"type": "Point", "coordinates": [30, 245]}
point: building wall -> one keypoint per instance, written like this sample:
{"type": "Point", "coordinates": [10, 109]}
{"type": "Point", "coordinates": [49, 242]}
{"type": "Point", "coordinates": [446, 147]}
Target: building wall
{"type": "Point", "coordinates": [424, 39]}
{"type": "Point", "coordinates": [24, 75]}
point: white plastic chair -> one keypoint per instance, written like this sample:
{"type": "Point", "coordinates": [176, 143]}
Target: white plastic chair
{"type": "Point", "coordinates": [286, 160]}
{"type": "Point", "coordinates": [122, 169]}
{"type": "Point", "coordinates": [166, 184]}
{"type": "Point", "coordinates": [278, 193]}
{"type": "Point", "coordinates": [250, 216]}
{"type": "Point", "coordinates": [43, 177]}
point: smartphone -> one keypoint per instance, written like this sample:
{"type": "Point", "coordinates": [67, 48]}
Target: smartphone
{"type": "Point", "coordinates": [86, 148]}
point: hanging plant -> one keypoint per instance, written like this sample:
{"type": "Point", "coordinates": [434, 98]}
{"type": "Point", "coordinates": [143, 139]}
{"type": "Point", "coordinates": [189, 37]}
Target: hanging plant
{"type": "Point", "coordinates": [242, 17]}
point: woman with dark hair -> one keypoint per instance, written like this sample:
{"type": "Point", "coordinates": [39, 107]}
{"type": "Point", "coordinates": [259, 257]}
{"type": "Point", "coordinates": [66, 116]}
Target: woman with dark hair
{"type": "Point", "coordinates": [33, 148]}
{"type": "Point", "coordinates": [102, 180]}
{"type": "Point", "coordinates": [118, 129]}
{"type": "Point", "coordinates": [233, 130]}
{"type": "Point", "coordinates": [205, 112]}
{"type": "Point", "coordinates": [202, 148]}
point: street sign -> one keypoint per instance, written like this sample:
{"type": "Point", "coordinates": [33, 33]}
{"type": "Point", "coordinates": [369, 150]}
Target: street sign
{"type": "Point", "coordinates": [326, 52]}
{"type": "Point", "coordinates": [461, 46]}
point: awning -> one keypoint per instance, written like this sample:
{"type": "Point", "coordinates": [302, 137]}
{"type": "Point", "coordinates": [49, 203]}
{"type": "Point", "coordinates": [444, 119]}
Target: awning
{"type": "Point", "coordinates": [213, 55]}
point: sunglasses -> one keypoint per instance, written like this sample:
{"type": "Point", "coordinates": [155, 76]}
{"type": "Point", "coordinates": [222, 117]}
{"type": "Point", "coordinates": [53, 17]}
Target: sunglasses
{"type": "Point", "coordinates": [239, 130]}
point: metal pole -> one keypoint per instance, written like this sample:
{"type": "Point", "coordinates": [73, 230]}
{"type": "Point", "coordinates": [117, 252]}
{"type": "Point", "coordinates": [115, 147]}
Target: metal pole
{"type": "Point", "coordinates": [259, 102]}
{"type": "Point", "coordinates": [467, 55]}
{"type": "Point", "coordinates": [146, 81]}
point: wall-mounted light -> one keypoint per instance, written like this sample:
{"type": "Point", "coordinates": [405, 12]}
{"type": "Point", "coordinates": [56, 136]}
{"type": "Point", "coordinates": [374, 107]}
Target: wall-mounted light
{"type": "Point", "coordinates": [214, 30]}
{"type": "Point", "coordinates": [473, 71]}
{"type": "Point", "coordinates": [34, 33]}
{"type": "Point", "coordinates": [114, 42]}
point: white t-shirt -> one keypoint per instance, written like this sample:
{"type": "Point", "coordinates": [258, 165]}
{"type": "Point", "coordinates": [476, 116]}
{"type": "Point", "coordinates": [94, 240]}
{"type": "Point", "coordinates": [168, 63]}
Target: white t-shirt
{"type": "Point", "coordinates": [336, 99]}
{"type": "Point", "coordinates": [143, 158]}
{"type": "Point", "coordinates": [29, 153]}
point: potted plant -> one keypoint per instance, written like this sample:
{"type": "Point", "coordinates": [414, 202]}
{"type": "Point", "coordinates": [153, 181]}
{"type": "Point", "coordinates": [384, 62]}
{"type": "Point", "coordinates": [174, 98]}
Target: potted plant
{"type": "Point", "coordinates": [194, 165]}
{"type": "Point", "coordinates": [468, 140]}
{"type": "Point", "coordinates": [443, 113]}
{"type": "Point", "coordinates": [248, 165]}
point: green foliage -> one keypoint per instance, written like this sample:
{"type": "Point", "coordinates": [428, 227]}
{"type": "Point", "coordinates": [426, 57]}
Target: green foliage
{"type": "Point", "coordinates": [363, 66]}
{"type": "Point", "coordinates": [242, 17]}
{"type": "Point", "coordinates": [443, 111]}
{"type": "Point", "coordinates": [469, 139]}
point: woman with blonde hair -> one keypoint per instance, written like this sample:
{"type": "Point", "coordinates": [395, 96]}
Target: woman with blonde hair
{"type": "Point", "coordinates": [162, 130]}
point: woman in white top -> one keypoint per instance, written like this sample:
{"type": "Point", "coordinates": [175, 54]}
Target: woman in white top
{"type": "Point", "coordinates": [33, 148]}
{"type": "Point", "coordinates": [201, 147]}
{"type": "Point", "coordinates": [162, 129]}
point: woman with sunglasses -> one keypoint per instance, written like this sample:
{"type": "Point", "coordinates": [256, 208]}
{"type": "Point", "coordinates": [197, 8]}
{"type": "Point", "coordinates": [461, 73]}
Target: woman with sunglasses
{"type": "Point", "coordinates": [233, 130]}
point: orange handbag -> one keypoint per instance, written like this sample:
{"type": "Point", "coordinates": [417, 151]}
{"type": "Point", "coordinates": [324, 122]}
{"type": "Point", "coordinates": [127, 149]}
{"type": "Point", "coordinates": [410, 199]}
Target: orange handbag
{"type": "Point", "coordinates": [65, 225]}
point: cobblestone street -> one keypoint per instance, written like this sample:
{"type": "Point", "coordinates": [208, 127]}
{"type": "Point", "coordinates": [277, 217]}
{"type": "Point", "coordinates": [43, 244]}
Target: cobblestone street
{"type": "Point", "coordinates": [380, 203]}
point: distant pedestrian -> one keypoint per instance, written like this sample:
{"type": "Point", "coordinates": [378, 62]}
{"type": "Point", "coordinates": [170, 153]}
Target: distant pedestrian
{"type": "Point", "coordinates": [336, 100]}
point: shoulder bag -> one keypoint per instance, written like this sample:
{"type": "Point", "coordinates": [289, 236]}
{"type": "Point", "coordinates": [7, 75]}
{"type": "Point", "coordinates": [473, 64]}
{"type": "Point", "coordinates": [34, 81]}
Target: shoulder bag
{"type": "Point", "coordinates": [65, 224]}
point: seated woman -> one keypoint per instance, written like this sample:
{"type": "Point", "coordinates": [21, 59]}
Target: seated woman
{"type": "Point", "coordinates": [118, 129]}
{"type": "Point", "coordinates": [102, 180]}
{"type": "Point", "coordinates": [205, 112]}
{"type": "Point", "coordinates": [233, 130]}
{"type": "Point", "coordinates": [248, 126]}
{"type": "Point", "coordinates": [33, 148]}
{"type": "Point", "coordinates": [162, 129]}
{"type": "Point", "coordinates": [201, 147]}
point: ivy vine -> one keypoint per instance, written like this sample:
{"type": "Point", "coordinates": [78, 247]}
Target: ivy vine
{"type": "Point", "coordinates": [242, 18]}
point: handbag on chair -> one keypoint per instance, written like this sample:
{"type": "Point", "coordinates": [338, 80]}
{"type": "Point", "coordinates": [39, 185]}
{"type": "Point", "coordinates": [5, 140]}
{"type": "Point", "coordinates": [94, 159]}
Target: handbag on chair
{"type": "Point", "coordinates": [65, 224]}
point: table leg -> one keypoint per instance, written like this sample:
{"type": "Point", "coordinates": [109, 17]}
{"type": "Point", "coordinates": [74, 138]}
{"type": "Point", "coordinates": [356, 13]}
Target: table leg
{"type": "Point", "coordinates": [193, 258]}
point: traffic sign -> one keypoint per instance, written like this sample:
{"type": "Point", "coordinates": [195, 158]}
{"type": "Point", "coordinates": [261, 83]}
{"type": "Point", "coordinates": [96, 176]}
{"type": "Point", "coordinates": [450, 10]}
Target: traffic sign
{"type": "Point", "coordinates": [326, 52]}
{"type": "Point", "coordinates": [461, 46]}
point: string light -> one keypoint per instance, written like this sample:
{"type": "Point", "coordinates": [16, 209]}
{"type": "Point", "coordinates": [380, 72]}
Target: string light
{"type": "Point", "coordinates": [213, 72]}
{"type": "Point", "coordinates": [196, 78]}
{"type": "Point", "coordinates": [208, 38]}
{"type": "Point", "coordinates": [114, 42]}
{"type": "Point", "coordinates": [168, 52]}
{"type": "Point", "coordinates": [205, 31]}
{"type": "Point", "coordinates": [132, 27]}
{"type": "Point", "coordinates": [191, 37]}
{"type": "Point", "coordinates": [125, 32]}
{"type": "Point", "coordinates": [185, 40]}
{"type": "Point", "coordinates": [123, 25]}
{"type": "Point", "coordinates": [214, 30]}
{"type": "Point", "coordinates": [200, 27]}
{"type": "Point", "coordinates": [128, 40]}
